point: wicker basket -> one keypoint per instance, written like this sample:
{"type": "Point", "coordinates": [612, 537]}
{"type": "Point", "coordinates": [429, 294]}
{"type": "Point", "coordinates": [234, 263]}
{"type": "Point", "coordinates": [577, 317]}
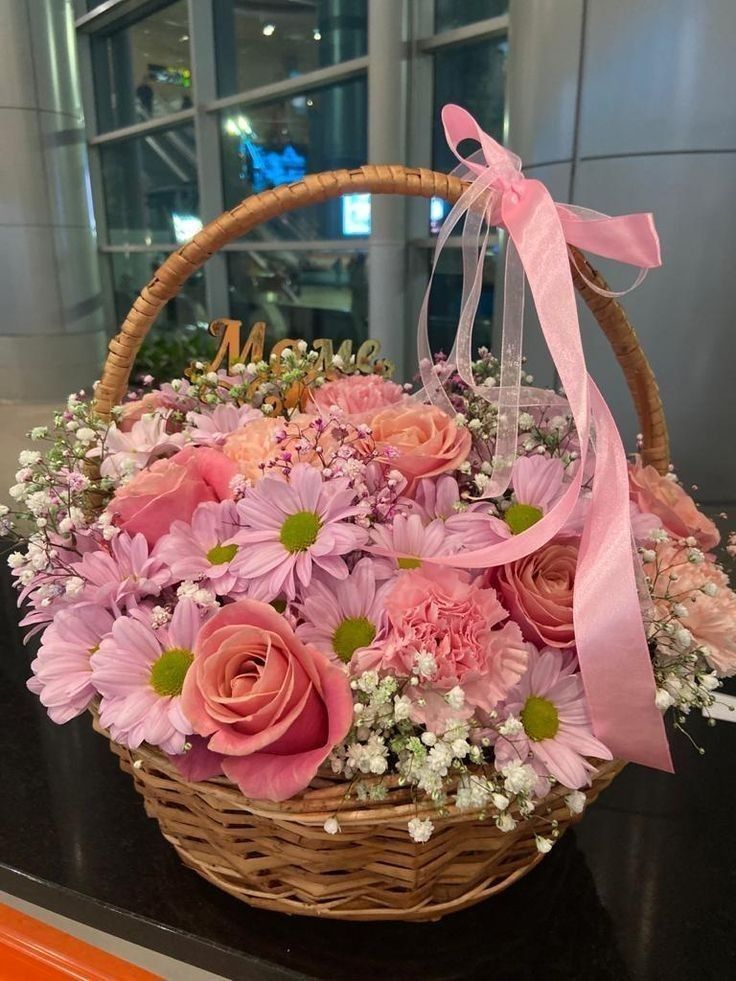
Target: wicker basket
{"type": "Point", "coordinates": [278, 856]}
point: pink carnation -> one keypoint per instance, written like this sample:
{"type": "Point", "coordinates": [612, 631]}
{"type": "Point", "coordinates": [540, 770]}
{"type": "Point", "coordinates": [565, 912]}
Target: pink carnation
{"type": "Point", "coordinates": [253, 446]}
{"type": "Point", "coordinates": [678, 512]}
{"type": "Point", "coordinates": [447, 630]}
{"type": "Point", "coordinates": [703, 589]}
{"type": "Point", "coordinates": [359, 397]}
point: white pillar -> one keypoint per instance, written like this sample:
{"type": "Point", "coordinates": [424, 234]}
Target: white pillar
{"type": "Point", "coordinates": [52, 323]}
{"type": "Point", "coordinates": [386, 144]}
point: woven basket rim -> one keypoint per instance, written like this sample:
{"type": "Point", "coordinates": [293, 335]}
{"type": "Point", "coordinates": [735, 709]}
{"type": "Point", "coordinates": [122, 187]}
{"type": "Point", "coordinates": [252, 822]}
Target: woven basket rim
{"type": "Point", "coordinates": [325, 797]}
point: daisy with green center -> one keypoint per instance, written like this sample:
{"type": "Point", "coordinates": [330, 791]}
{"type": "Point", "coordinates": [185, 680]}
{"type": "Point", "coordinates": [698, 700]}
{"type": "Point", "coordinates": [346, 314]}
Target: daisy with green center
{"type": "Point", "coordinates": [538, 483]}
{"type": "Point", "coordinates": [204, 550]}
{"type": "Point", "coordinates": [341, 618]}
{"type": "Point", "coordinates": [545, 722]}
{"type": "Point", "coordinates": [291, 527]}
{"type": "Point", "coordinates": [406, 541]}
{"type": "Point", "coordinates": [139, 672]}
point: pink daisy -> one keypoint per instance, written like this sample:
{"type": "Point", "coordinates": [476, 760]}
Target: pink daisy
{"type": "Point", "coordinates": [61, 670]}
{"type": "Point", "coordinates": [140, 671]}
{"type": "Point", "coordinates": [289, 527]}
{"type": "Point", "coordinates": [205, 550]}
{"type": "Point", "coordinates": [538, 483]}
{"type": "Point", "coordinates": [213, 427]}
{"type": "Point", "coordinates": [344, 617]}
{"type": "Point", "coordinates": [554, 735]}
{"type": "Point", "coordinates": [146, 440]}
{"type": "Point", "coordinates": [411, 540]}
{"type": "Point", "coordinates": [123, 575]}
{"type": "Point", "coordinates": [436, 497]}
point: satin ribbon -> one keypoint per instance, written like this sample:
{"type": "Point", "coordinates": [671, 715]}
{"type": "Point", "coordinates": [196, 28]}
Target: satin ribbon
{"type": "Point", "coordinates": [609, 633]}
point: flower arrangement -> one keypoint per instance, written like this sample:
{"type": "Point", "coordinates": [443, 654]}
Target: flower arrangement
{"type": "Point", "coordinates": [357, 602]}
{"type": "Point", "coordinates": [256, 571]}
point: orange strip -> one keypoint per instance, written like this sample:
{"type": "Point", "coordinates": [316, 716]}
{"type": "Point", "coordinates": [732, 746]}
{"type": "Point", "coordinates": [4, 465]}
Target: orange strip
{"type": "Point", "coordinates": [33, 951]}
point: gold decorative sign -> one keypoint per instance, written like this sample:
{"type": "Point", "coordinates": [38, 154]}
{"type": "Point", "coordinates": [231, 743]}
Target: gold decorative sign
{"type": "Point", "coordinates": [365, 361]}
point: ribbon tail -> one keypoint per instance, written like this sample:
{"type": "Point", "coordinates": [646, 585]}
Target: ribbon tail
{"type": "Point", "coordinates": [611, 642]}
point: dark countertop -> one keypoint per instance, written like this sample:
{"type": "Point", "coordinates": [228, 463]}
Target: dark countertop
{"type": "Point", "coordinates": [645, 887]}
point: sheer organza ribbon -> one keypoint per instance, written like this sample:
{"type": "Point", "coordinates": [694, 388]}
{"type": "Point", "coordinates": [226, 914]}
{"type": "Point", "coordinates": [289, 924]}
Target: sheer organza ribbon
{"type": "Point", "coordinates": [610, 638]}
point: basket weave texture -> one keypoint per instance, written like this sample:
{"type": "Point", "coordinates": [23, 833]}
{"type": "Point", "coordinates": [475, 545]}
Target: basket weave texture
{"type": "Point", "coordinates": [278, 856]}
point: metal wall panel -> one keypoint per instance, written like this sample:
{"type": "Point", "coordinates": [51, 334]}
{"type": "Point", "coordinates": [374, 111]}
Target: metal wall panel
{"type": "Point", "coordinates": [64, 148]}
{"type": "Point", "coordinates": [684, 313]}
{"type": "Point", "coordinates": [659, 75]}
{"type": "Point", "coordinates": [78, 272]}
{"type": "Point", "coordinates": [16, 64]}
{"type": "Point", "coordinates": [23, 198]}
{"type": "Point", "coordinates": [30, 299]}
{"type": "Point", "coordinates": [544, 55]}
{"type": "Point", "coordinates": [55, 56]}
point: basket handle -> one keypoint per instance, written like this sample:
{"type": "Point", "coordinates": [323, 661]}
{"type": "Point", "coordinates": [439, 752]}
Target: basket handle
{"type": "Point", "coordinates": [374, 179]}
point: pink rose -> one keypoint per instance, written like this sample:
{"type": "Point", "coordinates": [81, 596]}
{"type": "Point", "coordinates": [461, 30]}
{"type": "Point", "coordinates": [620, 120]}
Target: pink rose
{"type": "Point", "coordinates": [538, 591]}
{"type": "Point", "coordinates": [134, 411]}
{"type": "Point", "coordinates": [273, 706]}
{"type": "Point", "coordinates": [359, 396]}
{"type": "Point", "coordinates": [426, 440]}
{"type": "Point", "coordinates": [170, 490]}
{"type": "Point", "coordinates": [673, 506]}
{"type": "Point", "coordinates": [448, 631]}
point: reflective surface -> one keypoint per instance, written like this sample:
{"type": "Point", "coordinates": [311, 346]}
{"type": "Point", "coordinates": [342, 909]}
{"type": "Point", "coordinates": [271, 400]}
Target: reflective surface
{"type": "Point", "coordinates": [150, 187]}
{"type": "Point", "coordinates": [132, 270]}
{"type": "Point", "coordinates": [144, 70]}
{"type": "Point", "coordinates": [444, 300]}
{"type": "Point", "coordinates": [275, 143]}
{"type": "Point", "coordinates": [643, 888]}
{"type": "Point", "coordinates": [301, 294]}
{"type": "Point", "coordinates": [450, 13]}
{"type": "Point", "coordinates": [483, 62]}
{"type": "Point", "coordinates": [258, 43]}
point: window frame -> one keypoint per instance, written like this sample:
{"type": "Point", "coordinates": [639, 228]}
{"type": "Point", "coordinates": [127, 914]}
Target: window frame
{"type": "Point", "coordinates": [404, 28]}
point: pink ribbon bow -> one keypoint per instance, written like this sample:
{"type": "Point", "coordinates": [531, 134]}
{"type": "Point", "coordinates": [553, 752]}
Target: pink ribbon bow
{"type": "Point", "coordinates": [609, 632]}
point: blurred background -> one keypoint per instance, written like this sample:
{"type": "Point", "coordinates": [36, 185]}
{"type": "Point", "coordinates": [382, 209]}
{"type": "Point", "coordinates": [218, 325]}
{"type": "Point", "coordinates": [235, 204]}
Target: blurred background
{"type": "Point", "coordinates": [129, 123]}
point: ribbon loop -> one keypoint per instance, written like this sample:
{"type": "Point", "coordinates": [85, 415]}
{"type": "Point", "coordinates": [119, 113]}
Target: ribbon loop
{"type": "Point", "coordinates": [610, 640]}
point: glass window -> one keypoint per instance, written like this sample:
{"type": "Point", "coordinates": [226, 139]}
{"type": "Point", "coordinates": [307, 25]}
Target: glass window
{"type": "Point", "coordinates": [258, 43]}
{"type": "Point", "coordinates": [474, 76]}
{"type": "Point", "coordinates": [150, 186]}
{"type": "Point", "coordinates": [450, 13]}
{"type": "Point", "coordinates": [279, 142]}
{"type": "Point", "coordinates": [130, 273]}
{"type": "Point", "coordinates": [307, 294]}
{"type": "Point", "coordinates": [144, 70]}
{"type": "Point", "coordinates": [444, 300]}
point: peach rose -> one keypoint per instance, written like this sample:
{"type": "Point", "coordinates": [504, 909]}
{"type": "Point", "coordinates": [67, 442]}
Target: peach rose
{"type": "Point", "coordinates": [170, 490]}
{"type": "Point", "coordinates": [273, 706]}
{"type": "Point", "coordinates": [359, 396]}
{"type": "Point", "coordinates": [426, 440]}
{"type": "Point", "coordinates": [538, 589]}
{"type": "Point", "coordinates": [673, 506]}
